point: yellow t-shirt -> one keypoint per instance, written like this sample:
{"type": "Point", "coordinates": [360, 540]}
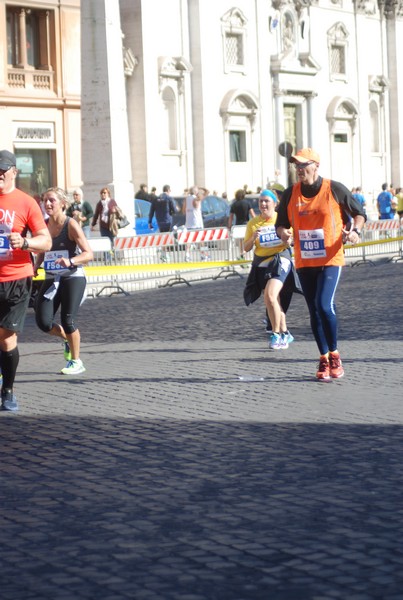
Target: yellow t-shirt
{"type": "Point", "coordinates": [267, 244]}
{"type": "Point", "coordinates": [399, 197]}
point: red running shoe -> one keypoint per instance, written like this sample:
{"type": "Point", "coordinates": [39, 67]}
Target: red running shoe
{"type": "Point", "coordinates": [336, 368]}
{"type": "Point", "coordinates": [323, 373]}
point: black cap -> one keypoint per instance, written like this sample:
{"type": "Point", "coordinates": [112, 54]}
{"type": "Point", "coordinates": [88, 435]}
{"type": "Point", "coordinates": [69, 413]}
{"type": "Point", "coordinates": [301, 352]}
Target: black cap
{"type": "Point", "coordinates": [7, 160]}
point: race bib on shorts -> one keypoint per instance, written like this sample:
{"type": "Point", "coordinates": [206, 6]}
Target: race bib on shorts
{"type": "Point", "coordinates": [312, 243]}
{"type": "Point", "coordinates": [49, 262]}
{"type": "Point", "coordinates": [268, 237]}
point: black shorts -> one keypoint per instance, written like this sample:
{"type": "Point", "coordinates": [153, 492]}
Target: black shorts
{"type": "Point", "coordinates": [14, 299]}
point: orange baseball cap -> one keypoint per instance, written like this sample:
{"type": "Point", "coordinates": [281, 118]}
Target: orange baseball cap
{"type": "Point", "coordinates": [305, 155]}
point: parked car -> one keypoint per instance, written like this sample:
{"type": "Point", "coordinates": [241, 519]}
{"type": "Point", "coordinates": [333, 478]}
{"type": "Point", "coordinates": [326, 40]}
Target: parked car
{"type": "Point", "coordinates": [141, 212]}
{"type": "Point", "coordinates": [215, 212]}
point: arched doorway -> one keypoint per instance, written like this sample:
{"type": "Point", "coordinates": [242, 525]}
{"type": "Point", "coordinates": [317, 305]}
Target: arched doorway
{"type": "Point", "coordinates": [342, 116]}
{"type": "Point", "coordinates": [238, 111]}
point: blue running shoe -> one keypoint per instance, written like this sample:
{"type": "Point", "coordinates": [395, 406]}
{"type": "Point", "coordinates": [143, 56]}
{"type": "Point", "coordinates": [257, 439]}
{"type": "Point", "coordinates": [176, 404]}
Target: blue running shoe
{"type": "Point", "coordinates": [287, 337]}
{"type": "Point", "coordinates": [8, 401]}
{"type": "Point", "coordinates": [275, 342]}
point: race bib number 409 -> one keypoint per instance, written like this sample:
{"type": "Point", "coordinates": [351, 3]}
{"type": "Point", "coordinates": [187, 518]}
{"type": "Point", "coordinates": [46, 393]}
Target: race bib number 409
{"type": "Point", "coordinates": [312, 243]}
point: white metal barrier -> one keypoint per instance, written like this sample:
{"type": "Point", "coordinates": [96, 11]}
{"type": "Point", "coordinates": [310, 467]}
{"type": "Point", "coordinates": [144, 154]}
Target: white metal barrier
{"type": "Point", "coordinates": [156, 260]}
{"type": "Point", "coordinates": [103, 257]}
{"type": "Point", "coordinates": [378, 238]}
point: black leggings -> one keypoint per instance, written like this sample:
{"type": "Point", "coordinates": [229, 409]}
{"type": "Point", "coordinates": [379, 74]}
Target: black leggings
{"type": "Point", "coordinates": [68, 297]}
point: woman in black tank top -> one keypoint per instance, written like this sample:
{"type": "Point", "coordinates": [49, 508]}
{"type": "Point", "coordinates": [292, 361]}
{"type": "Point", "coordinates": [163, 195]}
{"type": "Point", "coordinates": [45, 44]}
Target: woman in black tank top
{"type": "Point", "coordinates": [65, 281]}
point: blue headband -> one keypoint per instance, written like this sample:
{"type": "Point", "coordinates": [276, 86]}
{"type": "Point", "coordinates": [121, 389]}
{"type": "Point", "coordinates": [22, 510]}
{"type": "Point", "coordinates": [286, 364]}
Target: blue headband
{"type": "Point", "coordinates": [268, 194]}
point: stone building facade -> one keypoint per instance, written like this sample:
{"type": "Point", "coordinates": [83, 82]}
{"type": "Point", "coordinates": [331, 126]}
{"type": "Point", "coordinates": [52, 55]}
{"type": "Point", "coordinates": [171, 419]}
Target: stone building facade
{"type": "Point", "coordinates": [193, 91]}
{"type": "Point", "coordinates": [40, 91]}
{"type": "Point", "coordinates": [221, 91]}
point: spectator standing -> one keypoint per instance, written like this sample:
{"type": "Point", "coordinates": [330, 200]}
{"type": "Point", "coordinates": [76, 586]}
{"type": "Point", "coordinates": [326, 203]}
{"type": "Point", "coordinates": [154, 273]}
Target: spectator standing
{"type": "Point", "coordinates": [394, 201]}
{"type": "Point", "coordinates": [241, 209]}
{"type": "Point", "coordinates": [163, 207]}
{"type": "Point", "coordinates": [358, 195]}
{"type": "Point", "coordinates": [20, 214]}
{"type": "Point", "coordinates": [314, 207]}
{"type": "Point", "coordinates": [153, 195]}
{"type": "Point", "coordinates": [278, 189]}
{"type": "Point", "coordinates": [384, 203]}
{"type": "Point", "coordinates": [142, 193]}
{"type": "Point", "coordinates": [192, 208]}
{"type": "Point", "coordinates": [115, 214]}
{"type": "Point", "coordinates": [399, 196]}
{"type": "Point", "coordinates": [81, 211]}
{"type": "Point", "coordinates": [65, 281]}
{"type": "Point", "coordinates": [106, 210]}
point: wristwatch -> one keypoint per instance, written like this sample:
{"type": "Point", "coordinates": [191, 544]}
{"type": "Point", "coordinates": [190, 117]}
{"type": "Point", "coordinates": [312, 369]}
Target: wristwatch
{"type": "Point", "coordinates": [25, 244]}
{"type": "Point", "coordinates": [358, 232]}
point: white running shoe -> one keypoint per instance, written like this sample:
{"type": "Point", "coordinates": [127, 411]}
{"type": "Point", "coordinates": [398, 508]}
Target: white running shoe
{"type": "Point", "coordinates": [73, 367]}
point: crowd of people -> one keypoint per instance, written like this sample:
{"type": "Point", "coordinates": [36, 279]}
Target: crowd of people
{"type": "Point", "coordinates": [296, 235]}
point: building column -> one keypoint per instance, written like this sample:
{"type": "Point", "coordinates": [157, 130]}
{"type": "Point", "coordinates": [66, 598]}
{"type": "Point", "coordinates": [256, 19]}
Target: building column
{"type": "Point", "coordinates": [105, 135]}
{"type": "Point", "coordinates": [22, 43]}
{"type": "Point", "coordinates": [309, 117]}
{"type": "Point", "coordinates": [281, 161]}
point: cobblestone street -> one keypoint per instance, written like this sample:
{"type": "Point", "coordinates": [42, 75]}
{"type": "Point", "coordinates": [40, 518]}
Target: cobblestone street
{"type": "Point", "coordinates": [190, 462]}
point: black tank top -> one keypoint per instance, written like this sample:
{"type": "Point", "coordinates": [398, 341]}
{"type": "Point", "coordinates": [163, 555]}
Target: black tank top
{"type": "Point", "coordinates": [63, 242]}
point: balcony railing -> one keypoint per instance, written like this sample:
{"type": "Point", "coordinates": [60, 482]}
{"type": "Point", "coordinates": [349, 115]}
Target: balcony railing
{"type": "Point", "coordinates": [24, 79]}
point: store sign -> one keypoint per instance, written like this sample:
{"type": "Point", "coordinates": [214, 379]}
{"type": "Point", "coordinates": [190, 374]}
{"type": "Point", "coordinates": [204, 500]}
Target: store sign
{"type": "Point", "coordinates": [34, 132]}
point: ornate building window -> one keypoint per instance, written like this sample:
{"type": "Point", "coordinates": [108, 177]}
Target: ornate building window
{"type": "Point", "coordinates": [290, 124]}
{"type": "Point", "coordinates": [234, 41]}
{"type": "Point", "coordinates": [337, 38]}
{"type": "Point", "coordinates": [30, 35]}
{"type": "Point", "coordinates": [173, 73]}
{"type": "Point", "coordinates": [169, 133]}
{"type": "Point", "coordinates": [234, 49]}
{"type": "Point", "coordinates": [378, 86]}
{"type": "Point", "coordinates": [238, 112]}
{"type": "Point", "coordinates": [237, 146]}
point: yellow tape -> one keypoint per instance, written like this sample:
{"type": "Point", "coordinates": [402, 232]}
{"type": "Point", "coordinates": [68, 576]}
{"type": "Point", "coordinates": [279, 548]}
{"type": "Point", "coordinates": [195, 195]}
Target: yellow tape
{"type": "Point", "coordinates": [374, 242]}
{"type": "Point", "coordinates": [187, 266]}
{"type": "Point", "coordinates": [155, 267]}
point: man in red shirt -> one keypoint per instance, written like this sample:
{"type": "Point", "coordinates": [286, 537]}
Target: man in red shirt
{"type": "Point", "coordinates": [19, 214]}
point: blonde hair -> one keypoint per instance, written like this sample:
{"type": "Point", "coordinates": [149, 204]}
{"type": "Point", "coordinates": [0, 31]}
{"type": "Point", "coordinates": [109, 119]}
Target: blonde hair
{"type": "Point", "coordinates": [60, 195]}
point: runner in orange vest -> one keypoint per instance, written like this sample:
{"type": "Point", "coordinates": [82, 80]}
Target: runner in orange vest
{"type": "Point", "coordinates": [316, 211]}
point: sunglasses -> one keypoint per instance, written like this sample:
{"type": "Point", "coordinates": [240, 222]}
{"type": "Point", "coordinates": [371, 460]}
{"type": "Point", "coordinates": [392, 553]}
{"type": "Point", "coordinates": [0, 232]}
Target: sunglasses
{"type": "Point", "coordinates": [304, 165]}
{"type": "Point", "coordinates": [2, 171]}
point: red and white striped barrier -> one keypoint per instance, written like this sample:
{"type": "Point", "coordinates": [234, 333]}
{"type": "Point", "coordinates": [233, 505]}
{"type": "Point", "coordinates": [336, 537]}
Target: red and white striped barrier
{"type": "Point", "coordinates": [152, 240]}
{"type": "Point", "coordinates": [155, 240]}
{"type": "Point", "coordinates": [384, 225]}
{"type": "Point", "coordinates": [202, 235]}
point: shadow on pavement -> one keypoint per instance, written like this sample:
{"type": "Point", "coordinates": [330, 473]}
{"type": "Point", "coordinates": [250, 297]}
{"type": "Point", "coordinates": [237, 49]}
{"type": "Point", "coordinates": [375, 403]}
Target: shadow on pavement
{"type": "Point", "coordinates": [109, 508]}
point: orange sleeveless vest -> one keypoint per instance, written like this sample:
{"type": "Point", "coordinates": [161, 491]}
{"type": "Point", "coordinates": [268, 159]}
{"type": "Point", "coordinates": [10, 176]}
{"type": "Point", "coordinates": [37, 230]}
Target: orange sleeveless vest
{"type": "Point", "coordinates": [317, 225]}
